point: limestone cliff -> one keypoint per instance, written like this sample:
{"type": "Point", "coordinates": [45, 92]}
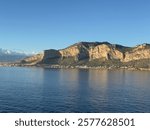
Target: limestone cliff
{"type": "Point", "coordinates": [33, 59]}
{"type": "Point", "coordinates": [105, 51]}
{"type": "Point", "coordinates": [78, 51]}
{"type": "Point", "coordinates": [42, 57]}
{"type": "Point", "coordinates": [138, 53]}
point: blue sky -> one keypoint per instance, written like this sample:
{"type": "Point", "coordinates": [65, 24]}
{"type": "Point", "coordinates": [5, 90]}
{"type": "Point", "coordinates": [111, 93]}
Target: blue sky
{"type": "Point", "coordinates": [35, 25]}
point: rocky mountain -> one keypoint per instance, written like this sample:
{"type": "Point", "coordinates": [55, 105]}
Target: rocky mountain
{"type": "Point", "coordinates": [94, 54]}
{"type": "Point", "coordinates": [11, 56]}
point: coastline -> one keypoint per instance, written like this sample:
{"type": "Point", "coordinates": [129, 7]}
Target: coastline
{"type": "Point", "coordinates": [74, 67]}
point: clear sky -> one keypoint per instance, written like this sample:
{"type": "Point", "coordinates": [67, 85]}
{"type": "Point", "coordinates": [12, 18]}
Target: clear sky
{"type": "Point", "coordinates": [35, 25]}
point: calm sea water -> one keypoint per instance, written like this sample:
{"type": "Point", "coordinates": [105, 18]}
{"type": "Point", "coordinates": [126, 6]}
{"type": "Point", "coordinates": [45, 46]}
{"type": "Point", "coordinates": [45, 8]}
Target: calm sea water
{"type": "Point", "coordinates": [73, 90]}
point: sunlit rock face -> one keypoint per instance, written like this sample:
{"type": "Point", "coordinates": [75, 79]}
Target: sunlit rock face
{"type": "Point", "coordinates": [78, 51]}
{"type": "Point", "coordinates": [105, 51]}
{"type": "Point", "coordinates": [33, 59]}
{"type": "Point", "coordinates": [138, 53]}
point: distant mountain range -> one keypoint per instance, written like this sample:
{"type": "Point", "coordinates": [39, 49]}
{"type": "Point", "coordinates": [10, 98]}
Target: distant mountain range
{"type": "Point", "coordinates": [93, 54]}
{"type": "Point", "coordinates": [11, 56]}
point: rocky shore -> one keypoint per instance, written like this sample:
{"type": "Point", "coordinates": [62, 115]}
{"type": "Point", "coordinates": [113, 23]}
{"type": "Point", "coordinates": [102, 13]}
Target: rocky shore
{"type": "Point", "coordinates": [73, 67]}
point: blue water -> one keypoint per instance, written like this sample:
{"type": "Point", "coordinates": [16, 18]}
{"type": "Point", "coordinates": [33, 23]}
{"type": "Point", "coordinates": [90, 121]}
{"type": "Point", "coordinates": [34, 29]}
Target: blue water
{"type": "Point", "coordinates": [72, 90]}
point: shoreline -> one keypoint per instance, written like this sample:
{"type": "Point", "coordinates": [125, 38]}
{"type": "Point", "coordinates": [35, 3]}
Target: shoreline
{"type": "Point", "coordinates": [73, 67]}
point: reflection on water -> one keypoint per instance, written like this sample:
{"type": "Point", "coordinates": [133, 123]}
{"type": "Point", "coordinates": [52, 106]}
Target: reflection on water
{"type": "Point", "coordinates": [73, 90]}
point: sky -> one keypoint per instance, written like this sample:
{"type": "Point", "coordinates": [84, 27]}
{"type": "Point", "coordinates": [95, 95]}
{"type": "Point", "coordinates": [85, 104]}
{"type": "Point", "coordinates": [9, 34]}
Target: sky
{"type": "Point", "coordinates": [36, 25]}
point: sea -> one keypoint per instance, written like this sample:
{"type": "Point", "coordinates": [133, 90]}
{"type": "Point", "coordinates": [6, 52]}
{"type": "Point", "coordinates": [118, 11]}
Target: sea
{"type": "Point", "coordinates": [45, 90]}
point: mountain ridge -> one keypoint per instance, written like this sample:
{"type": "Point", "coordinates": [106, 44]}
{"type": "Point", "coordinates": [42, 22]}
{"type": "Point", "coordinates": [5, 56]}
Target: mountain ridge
{"type": "Point", "coordinates": [93, 54]}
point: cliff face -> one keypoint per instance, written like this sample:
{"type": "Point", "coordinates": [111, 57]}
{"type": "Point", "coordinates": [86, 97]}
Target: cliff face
{"type": "Point", "coordinates": [77, 51]}
{"type": "Point", "coordinates": [105, 51]}
{"type": "Point", "coordinates": [138, 53]}
{"type": "Point", "coordinates": [50, 54]}
{"type": "Point", "coordinates": [33, 59]}
{"type": "Point", "coordinates": [42, 57]}
{"type": "Point", "coordinates": [85, 52]}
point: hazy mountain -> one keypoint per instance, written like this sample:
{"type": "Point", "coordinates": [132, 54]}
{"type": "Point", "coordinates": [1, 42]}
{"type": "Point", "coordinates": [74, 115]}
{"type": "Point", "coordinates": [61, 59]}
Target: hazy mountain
{"type": "Point", "coordinates": [11, 56]}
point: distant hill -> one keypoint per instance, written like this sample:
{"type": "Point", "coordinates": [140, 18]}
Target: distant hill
{"type": "Point", "coordinates": [11, 56]}
{"type": "Point", "coordinates": [94, 54]}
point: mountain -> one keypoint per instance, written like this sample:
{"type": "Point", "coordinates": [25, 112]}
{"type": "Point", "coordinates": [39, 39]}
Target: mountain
{"type": "Point", "coordinates": [11, 56]}
{"type": "Point", "coordinates": [94, 54]}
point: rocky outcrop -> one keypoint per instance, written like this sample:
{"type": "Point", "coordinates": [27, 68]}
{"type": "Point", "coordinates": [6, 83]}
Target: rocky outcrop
{"type": "Point", "coordinates": [51, 54]}
{"type": "Point", "coordinates": [138, 53]}
{"type": "Point", "coordinates": [42, 57]}
{"type": "Point", "coordinates": [78, 51]}
{"type": "Point", "coordinates": [33, 59]}
{"type": "Point", "coordinates": [105, 51]}
{"type": "Point", "coordinates": [83, 50]}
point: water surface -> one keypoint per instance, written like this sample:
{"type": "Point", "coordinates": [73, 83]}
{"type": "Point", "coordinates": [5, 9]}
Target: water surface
{"type": "Point", "coordinates": [73, 90]}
